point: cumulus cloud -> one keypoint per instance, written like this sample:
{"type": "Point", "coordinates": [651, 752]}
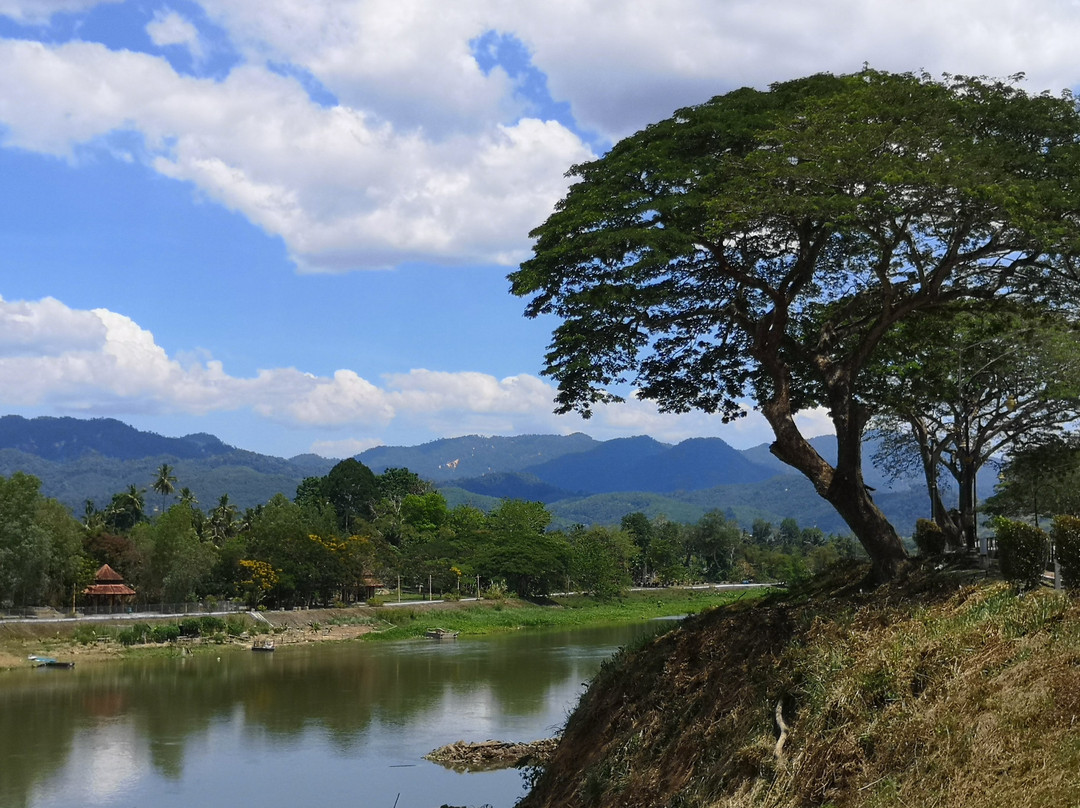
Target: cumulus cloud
{"type": "Point", "coordinates": [102, 362]}
{"type": "Point", "coordinates": [169, 28]}
{"type": "Point", "coordinates": [47, 326]}
{"type": "Point", "coordinates": [343, 189]}
{"type": "Point", "coordinates": [92, 360]}
{"type": "Point", "coordinates": [430, 156]}
{"type": "Point", "coordinates": [621, 71]}
{"type": "Point", "coordinates": [347, 447]}
{"type": "Point", "coordinates": [40, 11]}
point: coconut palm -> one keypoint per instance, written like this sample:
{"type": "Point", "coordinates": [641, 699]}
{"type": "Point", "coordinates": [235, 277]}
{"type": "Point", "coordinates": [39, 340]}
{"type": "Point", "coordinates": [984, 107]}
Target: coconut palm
{"type": "Point", "coordinates": [164, 483]}
{"type": "Point", "coordinates": [223, 519]}
{"type": "Point", "coordinates": [126, 510]}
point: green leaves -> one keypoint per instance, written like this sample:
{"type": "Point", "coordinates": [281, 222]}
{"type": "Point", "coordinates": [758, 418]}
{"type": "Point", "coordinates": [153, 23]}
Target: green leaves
{"type": "Point", "coordinates": [764, 244]}
{"type": "Point", "coordinates": [677, 256]}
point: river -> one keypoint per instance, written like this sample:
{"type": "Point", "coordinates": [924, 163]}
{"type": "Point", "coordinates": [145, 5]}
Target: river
{"type": "Point", "coordinates": [342, 724]}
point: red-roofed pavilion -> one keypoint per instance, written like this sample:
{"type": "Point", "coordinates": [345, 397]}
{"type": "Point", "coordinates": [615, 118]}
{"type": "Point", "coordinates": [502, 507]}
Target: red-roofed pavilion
{"type": "Point", "coordinates": [108, 590]}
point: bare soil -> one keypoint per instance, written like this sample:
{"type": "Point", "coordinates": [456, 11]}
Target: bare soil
{"type": "Point", "coordinates": [943, 688]}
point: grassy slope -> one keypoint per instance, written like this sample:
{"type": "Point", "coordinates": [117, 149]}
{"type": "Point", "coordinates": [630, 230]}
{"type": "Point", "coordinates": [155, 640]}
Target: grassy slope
{"type": "Point", "coordinates": [942, 690]}
{"type": "Point", "coordinates": [490, 617]}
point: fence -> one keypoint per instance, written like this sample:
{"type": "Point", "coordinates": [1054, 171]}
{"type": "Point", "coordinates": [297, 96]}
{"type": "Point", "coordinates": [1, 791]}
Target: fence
{"type": "Point", "coordinates": [125, 610]}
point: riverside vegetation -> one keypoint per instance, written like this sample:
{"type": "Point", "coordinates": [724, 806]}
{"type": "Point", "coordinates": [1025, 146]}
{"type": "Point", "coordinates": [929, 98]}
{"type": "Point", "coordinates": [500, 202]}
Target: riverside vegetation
{"type": "Point", "coordinates": [943, 688]}
{"type": "Point", "coordinates": [95, 641]}
{"type": "Point", "coordinates": [351, 533]}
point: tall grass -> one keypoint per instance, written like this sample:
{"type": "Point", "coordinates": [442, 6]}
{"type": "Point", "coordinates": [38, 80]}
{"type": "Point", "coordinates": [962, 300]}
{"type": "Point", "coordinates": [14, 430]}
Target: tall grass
{"type": "Point", "coordinates": [937, 691]}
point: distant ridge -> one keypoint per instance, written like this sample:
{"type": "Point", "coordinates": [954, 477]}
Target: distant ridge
{"type": "Point", "coordinates": [474, 455]}
{"type": "Point", "coordinates": [644, 464]}
{"type": "Point", "coordinates": [71, 438]}
{"type": "Point", "coordinates": [92, 459]}
{"type": "Point", "coordinates": [580, 479]}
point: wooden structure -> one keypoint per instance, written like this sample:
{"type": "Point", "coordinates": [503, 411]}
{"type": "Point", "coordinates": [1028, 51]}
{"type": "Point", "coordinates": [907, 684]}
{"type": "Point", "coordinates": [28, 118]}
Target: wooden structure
{"type": "Point", "coordinates": [108, 592]}
{"type": "Point", "coordinates": [370, 587]}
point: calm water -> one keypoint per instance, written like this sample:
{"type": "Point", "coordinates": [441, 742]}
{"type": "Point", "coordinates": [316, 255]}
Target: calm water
{"type": "Point", "coordinates": [332, 725]}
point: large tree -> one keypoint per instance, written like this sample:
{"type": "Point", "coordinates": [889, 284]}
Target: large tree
{"type": "Point", "coordinates": [957, 387]}
{"type": "Point", "coordinates": [1040, 481]}
{"type": "Point", "coordinates": [762, 244]}
{"type": "Point", "coordinates": [352, 488]}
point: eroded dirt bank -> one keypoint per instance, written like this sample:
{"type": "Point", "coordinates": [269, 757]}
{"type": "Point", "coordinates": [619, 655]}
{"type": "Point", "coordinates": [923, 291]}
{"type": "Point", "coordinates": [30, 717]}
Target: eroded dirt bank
{"type": "Point", "coordinates": [944, 689]}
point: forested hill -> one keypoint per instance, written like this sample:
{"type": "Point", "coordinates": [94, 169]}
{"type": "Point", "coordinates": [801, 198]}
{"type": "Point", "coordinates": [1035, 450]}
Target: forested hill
{"type": "Point", "coordinates": [580, 479]}
{"type": "Point", "coordinates": [80, 459]}
{"type": "Point", "coordinates": [62, 439]}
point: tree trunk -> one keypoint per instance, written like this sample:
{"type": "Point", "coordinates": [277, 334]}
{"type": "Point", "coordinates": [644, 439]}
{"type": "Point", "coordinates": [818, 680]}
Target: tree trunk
{"type": "Point", "coordinates": [968, 515]}
{"type": "Point", "coordinates": [842, 486]}
{"type": "Point", "coordinates": [878, 537]}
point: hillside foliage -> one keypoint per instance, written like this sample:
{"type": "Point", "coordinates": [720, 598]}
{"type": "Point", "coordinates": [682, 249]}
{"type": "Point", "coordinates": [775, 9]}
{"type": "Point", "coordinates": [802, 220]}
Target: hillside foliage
{"type": "Point", "coordinates": [350, 533]}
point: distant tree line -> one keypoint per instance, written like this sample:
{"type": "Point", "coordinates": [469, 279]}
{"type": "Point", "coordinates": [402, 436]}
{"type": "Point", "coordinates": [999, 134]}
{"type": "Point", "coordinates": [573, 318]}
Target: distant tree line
{"type": "Point", "coordinates": [352, 530]}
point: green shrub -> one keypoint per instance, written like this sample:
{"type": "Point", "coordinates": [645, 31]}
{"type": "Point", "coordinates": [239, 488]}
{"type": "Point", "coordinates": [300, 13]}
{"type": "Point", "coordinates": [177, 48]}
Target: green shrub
{"type": "Point", "coordinates": [1023, 551]}
{"type": "Point", "coordinates": [210, 625]}
{"type": "Point", "coordinates": [929, 537]}
{"type": "Point", "coordinates": [235, 626]}
{"type": "Point", "coordinates": [497, 591]}
{"type": "Point", "coordinates": [189, 627]}
{"type": "Point", "coordinates": [1066, 535]}
{"type": "Point", "coordinates": [85, 635]}
{"type": "Point", "coordinates": [165, 632]}
{"type": "Point", "coordinates": [134, 635]}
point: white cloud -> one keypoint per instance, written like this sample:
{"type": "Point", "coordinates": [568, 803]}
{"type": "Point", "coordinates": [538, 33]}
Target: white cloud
{"type": "Point", "coordinates": [39, 11]}
{"type": "Point", "coordinates": [100, 361]}
{"type": "Point", "coordinates": [347, 447]}
{"type": "Point", "coordinates": [169, 28]}
{"type": "Point", "coordinates": [426, 390]}
{"type": "Point", "coordinates": [427, 157]}
{"type": "Point", "coordinates": [47, 326]}
{"type": "Point", "coordinates": [405, 61]}
{"type": "Point", "coordinates": [343, 190]}
{"type": "Point", "coordinates": [623, 66]}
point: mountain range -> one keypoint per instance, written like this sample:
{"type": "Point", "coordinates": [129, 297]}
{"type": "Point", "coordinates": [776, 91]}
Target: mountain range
{"type": "Point", "coordinates": [580, 479]}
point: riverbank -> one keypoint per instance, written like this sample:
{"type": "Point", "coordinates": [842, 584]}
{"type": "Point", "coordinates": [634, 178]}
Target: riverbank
{"type": "Point", "coordinates": [944, 688]}
{"type": "Point", "coordinates": [86, 642]}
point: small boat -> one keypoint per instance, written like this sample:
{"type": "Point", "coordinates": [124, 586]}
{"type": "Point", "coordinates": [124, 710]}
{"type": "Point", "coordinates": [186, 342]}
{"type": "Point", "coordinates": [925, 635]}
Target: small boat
{"type": "Point", "coordinates": [48, 662]}
{"type": "Point", "coordinates": [262, 645]}
{"type": "Point", "coordinates": [440, 634]}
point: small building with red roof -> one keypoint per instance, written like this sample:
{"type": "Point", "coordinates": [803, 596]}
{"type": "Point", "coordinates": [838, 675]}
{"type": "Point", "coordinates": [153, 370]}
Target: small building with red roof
{"type": "Point", "coordinates": [108, 590]}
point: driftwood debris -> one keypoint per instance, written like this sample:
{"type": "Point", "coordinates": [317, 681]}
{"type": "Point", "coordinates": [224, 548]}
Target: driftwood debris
{"type": "Point", "coordinates": [487, 755]}
{"type": "Point", "coordinates": [782, 730]}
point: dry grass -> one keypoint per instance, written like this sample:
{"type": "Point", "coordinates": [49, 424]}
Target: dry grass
{"type": "Point", "coordinates": [936, 691]}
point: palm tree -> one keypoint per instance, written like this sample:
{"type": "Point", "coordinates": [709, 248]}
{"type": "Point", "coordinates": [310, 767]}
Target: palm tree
{"type": "Point", "coordinates": [187, 497]}
{"type": "Point", "coordinates": [163, 483]}
{"type": "Point", "coordinates": [126, 510]}
{"type": "Point", "coordinates": [93, 519]}
{"type": "Point", "coordinates": [222, 519]}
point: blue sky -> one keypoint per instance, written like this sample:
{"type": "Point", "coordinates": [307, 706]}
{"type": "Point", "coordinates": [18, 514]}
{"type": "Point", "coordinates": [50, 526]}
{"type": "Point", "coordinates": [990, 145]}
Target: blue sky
{"type": "Point", "coordinates": [289, 222]}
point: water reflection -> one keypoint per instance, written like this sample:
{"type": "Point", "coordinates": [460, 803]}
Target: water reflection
{"type": "Point", "coordinates": [297, 727]}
